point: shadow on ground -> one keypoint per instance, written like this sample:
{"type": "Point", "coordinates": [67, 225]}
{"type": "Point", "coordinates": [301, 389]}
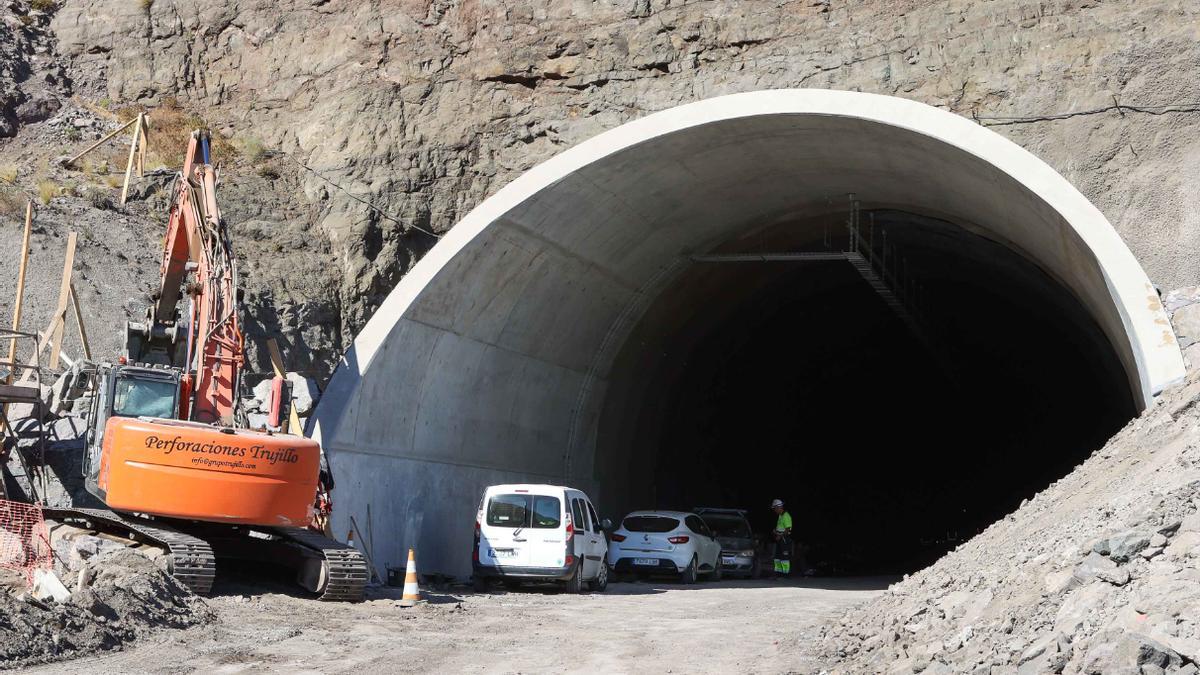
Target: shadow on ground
{"type": "Point", "coordinates": [651, 586]}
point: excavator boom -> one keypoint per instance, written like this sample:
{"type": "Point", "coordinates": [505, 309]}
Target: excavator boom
{"type": "Point", "coordinates": [206, 339]}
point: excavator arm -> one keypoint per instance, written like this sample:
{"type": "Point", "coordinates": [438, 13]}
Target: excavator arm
{"type": "Point", "coordinates": [204, 339]}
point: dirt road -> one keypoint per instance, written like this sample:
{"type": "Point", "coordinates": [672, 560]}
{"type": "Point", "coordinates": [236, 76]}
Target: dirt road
{"type": "Point", "coordinates": [730, 626]}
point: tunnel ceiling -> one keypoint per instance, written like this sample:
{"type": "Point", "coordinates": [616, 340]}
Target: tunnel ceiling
{"type": "Point", "coordinates": [491, 359]}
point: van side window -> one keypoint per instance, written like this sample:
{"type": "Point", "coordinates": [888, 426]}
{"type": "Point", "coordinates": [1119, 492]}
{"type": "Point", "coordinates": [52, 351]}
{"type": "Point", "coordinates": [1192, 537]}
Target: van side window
{"type": "Point", "coordinates": [547, 512]}
{"type": "Point", "coordinates": [595, 520]}
{"type": "Point", "coordinates": [577, 510]}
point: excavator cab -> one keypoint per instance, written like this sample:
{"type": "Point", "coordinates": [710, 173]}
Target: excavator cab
{"type": "Point", "coordinates": [125, 391]}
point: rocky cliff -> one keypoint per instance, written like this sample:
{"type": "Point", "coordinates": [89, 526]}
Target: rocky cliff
{"type": "Point", "coordinates": [365, 127]}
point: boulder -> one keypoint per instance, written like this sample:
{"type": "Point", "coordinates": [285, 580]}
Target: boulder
{"type": "Point", "coordinates": [1187, 324]}
{"type": "Point", "coordinates": [1182, 544]}
{"type": "Point", "coordinates": [1191, 523]}
{"type": "Point", "coordinates": [1116, 577]}
{"type": "Point", "coordinates": [87, 600]}
{"type": "Point", "coordinates": [47, 585]}
{"type": "Point", "coordinates": [1122, 547]}
{"type": "Point", "coordinates": [37, 109]}
{"type": "Point", "coordinates": [1191, 355]}
{"type": "Point", "coordinates": [1181, 297]}
{"type": "Point", "coordinates": [304, 393]}
{"type": "Point", "coordinates": [1047, 654]}
{"type": "Point", "coordinates": [262, 393]}
{"type": "Point", "coordinates": [1152, 552]}
{"type": "Point", "coordinates": [76, 548]}
{"type": "Point", "coordinates": [1060, 581]}
{"type": "Point", "coordinates": [1094, 563]}
{"type": "Point", "coordinates": [1129, 653]}
{"type": "Point", "coordinates": [1080, 606]}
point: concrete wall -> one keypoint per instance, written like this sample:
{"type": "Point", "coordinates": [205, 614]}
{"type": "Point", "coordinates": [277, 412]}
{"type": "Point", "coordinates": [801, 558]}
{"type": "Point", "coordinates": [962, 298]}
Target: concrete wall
{"type": "Point", "coordinates": [488, 362]}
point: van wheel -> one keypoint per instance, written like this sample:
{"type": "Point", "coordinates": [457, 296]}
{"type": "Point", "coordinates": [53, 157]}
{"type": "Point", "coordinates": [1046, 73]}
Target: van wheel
{"type": "Point", "coordinates": [600, 583]}
{"type": "Point", "coordinates": [479, 584]}
{"type": "Point", "coordinates": [688, 576]}
{"type": "Point", "coordinates": [575, 583]}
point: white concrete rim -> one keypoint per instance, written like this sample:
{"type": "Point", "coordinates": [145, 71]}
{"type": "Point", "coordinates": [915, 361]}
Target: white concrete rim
{"type": "Point", "coordinates": [1155, 351]}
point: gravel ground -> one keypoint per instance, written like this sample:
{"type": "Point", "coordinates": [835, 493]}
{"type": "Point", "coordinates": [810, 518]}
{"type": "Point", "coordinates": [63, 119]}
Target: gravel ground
{"type": "Point", "coordinates": [731, 626]}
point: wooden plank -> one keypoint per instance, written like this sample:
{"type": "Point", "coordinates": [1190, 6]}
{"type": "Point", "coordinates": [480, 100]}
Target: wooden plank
{"type": "Point", "coordinates": [137, 133]}
{"type": "Point", "coordinates": [141, 154]}
{"type": "Point", "coordinates": [19, 394]}
{"type": "Point", "coordinates": [64, 297]}
{"type": "Point", "coordinates": [294, 426]}
{"type": "Point", "coordinates": [16, 325]}
{"type": "Point", "coordinates": [276, 358]}
{"type": "Point", "coordinates": [98, 143]}
{"type": "Point", "coordinates": [83, 338]}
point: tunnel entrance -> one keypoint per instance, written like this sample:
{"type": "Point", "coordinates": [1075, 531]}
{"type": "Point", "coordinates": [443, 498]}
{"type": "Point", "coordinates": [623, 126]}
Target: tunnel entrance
{"type": "Point", "coordinates": [748, 381]}
{"type": "Point", "coordinates": [567, 331]}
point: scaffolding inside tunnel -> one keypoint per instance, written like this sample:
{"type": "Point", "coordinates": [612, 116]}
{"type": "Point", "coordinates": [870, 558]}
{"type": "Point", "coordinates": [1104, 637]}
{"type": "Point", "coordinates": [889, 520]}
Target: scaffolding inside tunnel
{"type": "Point", "coordinates": [897, 286]}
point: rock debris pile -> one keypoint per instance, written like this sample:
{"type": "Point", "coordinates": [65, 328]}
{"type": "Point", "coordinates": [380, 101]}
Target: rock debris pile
{"type": "Point", "coordinates": [123, 596]}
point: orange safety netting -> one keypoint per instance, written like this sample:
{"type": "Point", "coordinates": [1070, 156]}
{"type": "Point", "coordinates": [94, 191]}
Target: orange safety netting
{"type": "Point", "coordinates": [24, 538]}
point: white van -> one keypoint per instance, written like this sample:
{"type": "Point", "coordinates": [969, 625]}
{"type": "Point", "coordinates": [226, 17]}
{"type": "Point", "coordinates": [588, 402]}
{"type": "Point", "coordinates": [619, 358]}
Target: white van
{"type": "Point", "coordinates": [540, 533]}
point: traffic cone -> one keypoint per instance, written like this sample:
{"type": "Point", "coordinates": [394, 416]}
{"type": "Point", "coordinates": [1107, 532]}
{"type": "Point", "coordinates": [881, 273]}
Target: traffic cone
{"type": "Point", "coordinates": [412, 592]}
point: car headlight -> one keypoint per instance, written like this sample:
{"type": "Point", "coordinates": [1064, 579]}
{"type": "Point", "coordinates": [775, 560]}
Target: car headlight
{"type": "Point", "coordinates": [748, 553]}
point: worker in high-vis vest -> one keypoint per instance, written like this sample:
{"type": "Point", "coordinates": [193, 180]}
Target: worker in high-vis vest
{"type": "Point", "coordinates": [783, 539]}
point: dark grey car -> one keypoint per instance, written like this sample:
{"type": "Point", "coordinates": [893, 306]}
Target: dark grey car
{"type": "Point", "coordinates": [739, 554]}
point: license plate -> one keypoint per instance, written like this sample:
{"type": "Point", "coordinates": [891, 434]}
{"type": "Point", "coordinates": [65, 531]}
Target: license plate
{"type": "Point", "coordinates": [646, 561]}
{"type": "Point", "coordinates": [504, 553]}
{"type": "Point", "coordinates": [729, 560]}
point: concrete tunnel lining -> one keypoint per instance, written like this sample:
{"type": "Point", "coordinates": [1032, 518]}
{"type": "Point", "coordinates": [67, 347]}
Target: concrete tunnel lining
{"type": "Point", "coordinates": [487, 363]}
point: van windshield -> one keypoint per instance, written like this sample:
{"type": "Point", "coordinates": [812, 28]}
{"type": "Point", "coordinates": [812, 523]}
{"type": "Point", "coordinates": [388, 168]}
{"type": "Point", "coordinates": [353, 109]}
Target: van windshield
{"type": "Point", "coordinates": [650, 524]}
{"type": "Point", "coordinates": [516, 510]}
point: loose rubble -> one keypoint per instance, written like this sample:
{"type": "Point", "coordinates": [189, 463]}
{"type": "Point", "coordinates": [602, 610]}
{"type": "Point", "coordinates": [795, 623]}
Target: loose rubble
{"type": "Point", "coordinates": [115, 597]}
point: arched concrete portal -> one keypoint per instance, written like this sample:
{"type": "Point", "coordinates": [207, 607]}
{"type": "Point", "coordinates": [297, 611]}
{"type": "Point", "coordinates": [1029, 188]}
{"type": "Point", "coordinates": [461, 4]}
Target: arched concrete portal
{"type": "Point", "coordinates": [489, 361]}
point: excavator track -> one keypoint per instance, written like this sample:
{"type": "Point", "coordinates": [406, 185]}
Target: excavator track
{"type": "Point", "coordinates": [192, 562]}
{"type": "Point", "coordinates": [346, 568]}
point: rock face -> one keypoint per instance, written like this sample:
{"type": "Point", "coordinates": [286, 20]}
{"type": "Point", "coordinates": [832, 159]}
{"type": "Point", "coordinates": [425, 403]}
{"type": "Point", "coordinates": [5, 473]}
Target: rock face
{"type": "Point", "coordinates": [423, 109]}
{"type": "Point", "coordinates": [1099, 573]}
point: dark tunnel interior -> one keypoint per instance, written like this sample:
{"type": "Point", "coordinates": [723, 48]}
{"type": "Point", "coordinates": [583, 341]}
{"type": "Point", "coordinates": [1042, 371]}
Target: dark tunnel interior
{"type": "Point", "coordinates": [747, 381]}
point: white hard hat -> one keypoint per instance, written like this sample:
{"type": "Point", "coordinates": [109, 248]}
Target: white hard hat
{"type": "Point", "coordinates": [776, 503]}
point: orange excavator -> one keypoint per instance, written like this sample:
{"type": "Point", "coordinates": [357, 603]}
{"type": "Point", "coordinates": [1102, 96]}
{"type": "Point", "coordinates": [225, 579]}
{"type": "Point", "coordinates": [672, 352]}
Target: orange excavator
{"type": "Point", "coordinates": [169, 451]}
